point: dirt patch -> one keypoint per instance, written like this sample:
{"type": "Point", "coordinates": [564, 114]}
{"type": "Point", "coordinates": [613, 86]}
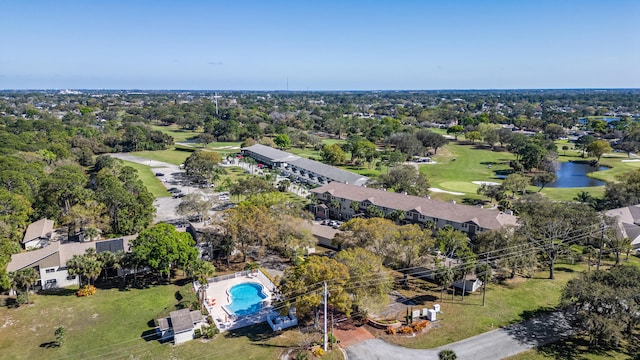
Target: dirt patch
{"type": "Point", "coordinates": [351, 335]}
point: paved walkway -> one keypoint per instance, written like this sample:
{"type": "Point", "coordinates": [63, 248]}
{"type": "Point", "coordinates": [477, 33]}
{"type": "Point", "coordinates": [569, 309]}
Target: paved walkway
{"type": "Point", "coordinates": [496, 344]}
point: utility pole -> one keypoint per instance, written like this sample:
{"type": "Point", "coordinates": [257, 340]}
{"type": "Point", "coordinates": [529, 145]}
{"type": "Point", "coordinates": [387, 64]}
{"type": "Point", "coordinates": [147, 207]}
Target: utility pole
{"type": "Point", "coordinates": [325, 293]}
{"type": "Point", "coordinates": [601, 245]}
{"type": "Point", "coordinates": [486, 278]}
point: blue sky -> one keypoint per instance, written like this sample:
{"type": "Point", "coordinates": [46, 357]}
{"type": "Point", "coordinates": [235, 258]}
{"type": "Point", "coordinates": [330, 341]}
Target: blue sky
{"type": "Point", "coordinates": [319, 45]}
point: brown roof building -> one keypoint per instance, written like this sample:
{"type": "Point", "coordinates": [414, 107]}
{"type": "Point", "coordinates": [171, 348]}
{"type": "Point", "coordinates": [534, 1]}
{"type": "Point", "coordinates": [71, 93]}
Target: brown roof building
{"type": "Point", "coordinates": [469, 219]}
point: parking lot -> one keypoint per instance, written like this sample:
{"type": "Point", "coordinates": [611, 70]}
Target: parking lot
{"type": "Point", "coordinates": [175, 179]}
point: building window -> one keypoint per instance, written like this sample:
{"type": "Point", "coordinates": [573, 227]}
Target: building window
{"type": "Point", "coordinates": [71, 277]}
{"type": "Point", "coordinates": [52, 281]}
{"type": "Point", "coordinates": [465, 226]}
{"type": "Point", "coordinates": [49, 271]}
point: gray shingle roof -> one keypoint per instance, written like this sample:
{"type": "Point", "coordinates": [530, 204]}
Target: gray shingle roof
{"type": "Point", "coordinates": [331, 172]}
{"type": "Point", "coordinates": [271, 153]}
{"type": "Point", "coordinates": [485, 218]}
{"type": "Point", "coordinates": [38, 229]}
{"type": "Point", "coordinates": [181, 320]}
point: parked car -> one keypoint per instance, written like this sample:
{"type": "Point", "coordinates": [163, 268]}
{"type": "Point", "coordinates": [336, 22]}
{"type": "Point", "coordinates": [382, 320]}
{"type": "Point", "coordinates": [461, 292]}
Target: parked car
{"type": "Point", "coordinates": [159, 174]}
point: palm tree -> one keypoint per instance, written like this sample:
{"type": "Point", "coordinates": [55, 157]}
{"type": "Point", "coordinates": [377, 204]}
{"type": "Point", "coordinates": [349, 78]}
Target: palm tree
{"type": "Point", "coordinates": [91, 233]}
{"type": "Point", "coordinates": [586, 198]}
{"type": "Point", "coordinates": [23, 279]}
{"type": "Point", "coordinates": [447, 354]}
{"type": "Point", "coordinates": [201, 271]}
{"type": "Point", "coordinates": [355, 206]}
{"type": "Point", "coordinates": [335, 204]}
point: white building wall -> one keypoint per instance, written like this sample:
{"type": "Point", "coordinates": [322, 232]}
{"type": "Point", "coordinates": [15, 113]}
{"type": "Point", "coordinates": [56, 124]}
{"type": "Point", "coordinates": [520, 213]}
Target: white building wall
{"type": "Point", "coordinates": [57, 278]}
{"type": "Point", "coordinates": [183, 337]}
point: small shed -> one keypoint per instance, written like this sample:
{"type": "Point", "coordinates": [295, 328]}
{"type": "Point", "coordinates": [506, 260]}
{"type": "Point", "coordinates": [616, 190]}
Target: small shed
{"type": "Point", "coordinates": [180, 325]}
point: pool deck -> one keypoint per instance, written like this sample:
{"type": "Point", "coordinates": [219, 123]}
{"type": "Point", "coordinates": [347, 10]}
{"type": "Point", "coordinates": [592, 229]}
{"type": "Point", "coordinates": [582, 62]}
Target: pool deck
{"type": "Point", "coordinates": [219, 291]}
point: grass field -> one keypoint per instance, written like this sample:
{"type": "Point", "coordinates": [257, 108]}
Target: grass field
{"type": "Point", "coordinates": [471, 164]}
{"type": "Point", "coordinates": [179, 135]}
{"type": "Point", "coordinates": [147, 176]}
{"type": "Point", "coordinates": [507, 303]}
{"type": "Point", "coordinates": [115, 324]}
{"type": "Point", "coordinates": [170, 156]}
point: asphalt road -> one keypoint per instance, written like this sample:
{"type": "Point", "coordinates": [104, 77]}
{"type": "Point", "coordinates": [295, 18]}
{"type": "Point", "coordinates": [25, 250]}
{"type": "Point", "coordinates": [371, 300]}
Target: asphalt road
{"type": "Point", "coordinates": [496, 344]}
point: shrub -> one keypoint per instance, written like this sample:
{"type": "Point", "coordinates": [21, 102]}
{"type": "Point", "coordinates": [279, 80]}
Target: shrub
{"type": "Point", "coordinates": [318, 352]}
{"type": "Point", "coordinates": [86, 290]}
{"type": "Point", "coordinates": [420, 325]}
{"type": "Point", "coordinates": [391, 330]}
{"type": "Point", "coordinates": [209, 332]}
{"type": "Point", "coordinates": [301, 356]}
{"type": "Point", "coordinates": [197, 334]}
{"type": "Point", "coordinates": [22, 298]}
{"type": "Point", "coordinates": [406, 330]}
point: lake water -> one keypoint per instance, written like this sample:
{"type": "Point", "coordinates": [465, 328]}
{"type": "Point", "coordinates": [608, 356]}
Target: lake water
{"type": "Point", "coordinates": [572, 174]}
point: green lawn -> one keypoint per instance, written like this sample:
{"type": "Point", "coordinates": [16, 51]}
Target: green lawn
{"type": "Point", "coordinates": [148, 178]}
{"type": "Point", "coordinates": [506, 303]}
{"type": "Point", "coordinates": [179, 135]}
{"type": "Point", "coordinates": [471, 164]}
{"type": "Point", "coordinates": [170, 156]}
{"type": "Point", "coordinates": [112, 323]}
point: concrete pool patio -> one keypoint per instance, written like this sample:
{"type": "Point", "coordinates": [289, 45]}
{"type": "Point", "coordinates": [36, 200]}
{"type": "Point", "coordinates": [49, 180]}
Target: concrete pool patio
{"type": "Point", "coordinates": [218, 289]}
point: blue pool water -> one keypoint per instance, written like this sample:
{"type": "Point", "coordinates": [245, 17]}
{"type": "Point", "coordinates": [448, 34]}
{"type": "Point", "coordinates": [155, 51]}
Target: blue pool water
{"type": "Point", "coordinates": [246, 298]}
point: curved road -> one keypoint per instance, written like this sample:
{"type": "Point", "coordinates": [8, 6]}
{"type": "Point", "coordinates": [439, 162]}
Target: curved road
{"type": "Point", "coordinates": [495, 344]}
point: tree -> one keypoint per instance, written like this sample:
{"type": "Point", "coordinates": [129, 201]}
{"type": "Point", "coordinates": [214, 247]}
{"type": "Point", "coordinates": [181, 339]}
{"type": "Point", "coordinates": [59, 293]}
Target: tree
{"type": "Point", "coordinates": [373, 234]}
{"type": "Point", "coordinates": [585, 197]}
{"type": "Point", "coordinates": [452, 243]}
{"type": "Point", "coordinates": [444, 277]}
{"type": "Point", "coordinates": [516, 183]}
{"type": "Point", "coordinates": [87, 265]}
{"type": "Point", "coordinates": [162, 247]}
{"type": "Point", "coordinates": [129, 205]}
{"type": "Point", "coordinates": [203, 166]}
{"type": "Point", "coordinates": [409, 245]}
{"type": "Point", "coordinates": [473, 136]}
{"type": "Point", "coordinates": [201, 271]}
{"type": "Point", "coordinates": [492, 191]}
{"type": "Point", "coordinates": [299, 282]}
{"type": "Point", "coordinates": [553, 226]}
{"type": "Point", "coordinates": [598, 148]}
{"type": "Point", "coordinates": [23, 279]}
{"type": "Point", "coordinates": [584, 141]}
{"type": "Point", "coordinates": [363, 266]}
{"type": "Point", "coordinates": [605, 304]}
{"type": "Point", "coordinates": [432, 140]}
{"type": "Point", "coordinates": [333, 154]}
{"type": "Point", "coordinates": [512, 250]}
{"type": "Point", "coordinates": [541, 179]}
{"type": "Point", "coordinates": [282, 141]}
{"type": "Point", "coordinates": [407, 179]}
{"type": "Point", "coordinates": [624, 192]}
{"type": "Point", "coordinates": [554, 131]}
{"type": "Point", "coordinates": [447, 354]}
{"type": "Point", "coordinates": [63, 188]}
{"type": "Point", "coordinates": [60, 334]}
{"type": "Point", "coordinates": [194, 205]}
{"type": "Point", "coordinates": [531, 155]}
{"type": "Point", "coordinates": [456, 130]}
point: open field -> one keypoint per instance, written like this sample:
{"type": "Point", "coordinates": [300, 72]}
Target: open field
{"type": "Point", "coordinates": [147, 176]}
{"type": "Point", "coordinates": [116, 324]}
{"type": "Point", "coordinates": [179, 135]}
{"type": "Point", "coordinates": [170, 156]}
{"type": "Point", "coordinates": [507, 303]}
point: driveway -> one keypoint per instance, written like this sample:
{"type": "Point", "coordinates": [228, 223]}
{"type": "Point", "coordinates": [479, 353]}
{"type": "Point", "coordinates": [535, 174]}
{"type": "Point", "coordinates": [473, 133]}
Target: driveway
{"type": "Point", "coordinates": [496, 344]}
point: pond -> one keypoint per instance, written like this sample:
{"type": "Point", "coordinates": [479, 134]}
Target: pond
{"type": "Point", "coordinates": [574, 174]}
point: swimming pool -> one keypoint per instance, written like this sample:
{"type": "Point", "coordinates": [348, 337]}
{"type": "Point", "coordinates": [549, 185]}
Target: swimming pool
{"type": "Point", "coordinates": [246, 298]}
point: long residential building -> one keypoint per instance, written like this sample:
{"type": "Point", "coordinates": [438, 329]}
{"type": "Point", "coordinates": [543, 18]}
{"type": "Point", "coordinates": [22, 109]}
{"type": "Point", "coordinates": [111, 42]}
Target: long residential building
{"type": "Point", "coordinates": [51, 261]}
{"type": "Point", "coordinates": [335, 201]}
{"type": "Point", "coordinates": [302, 169]}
